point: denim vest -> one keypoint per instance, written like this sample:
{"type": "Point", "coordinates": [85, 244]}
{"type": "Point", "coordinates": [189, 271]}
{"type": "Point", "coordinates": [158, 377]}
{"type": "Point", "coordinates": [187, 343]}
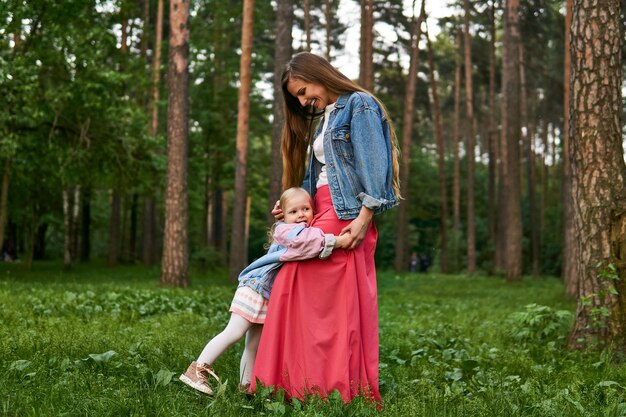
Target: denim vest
{"type": "Point", "coordinates": [358, 153]}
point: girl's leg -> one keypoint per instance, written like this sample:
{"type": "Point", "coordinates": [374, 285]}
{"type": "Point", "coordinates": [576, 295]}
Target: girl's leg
{"type": "Point", "coordinates": [249, 354]}
{"type": "Point", "coordinates": [234, 331]}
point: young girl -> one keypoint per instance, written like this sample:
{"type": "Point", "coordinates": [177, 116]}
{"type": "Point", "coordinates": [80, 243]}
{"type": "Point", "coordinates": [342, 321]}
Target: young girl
{"type": "Point", "coordinates": [292, 239]}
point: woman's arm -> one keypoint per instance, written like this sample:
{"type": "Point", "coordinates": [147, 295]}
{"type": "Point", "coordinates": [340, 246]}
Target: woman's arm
{"type": "Point", "coordinates": [357, 228]}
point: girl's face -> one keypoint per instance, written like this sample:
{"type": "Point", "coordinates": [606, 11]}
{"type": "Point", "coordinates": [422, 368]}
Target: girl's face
{"type": "Point", "coordinates": [298, 209]}
{"type": "Point", "coordinates": [310, 94]}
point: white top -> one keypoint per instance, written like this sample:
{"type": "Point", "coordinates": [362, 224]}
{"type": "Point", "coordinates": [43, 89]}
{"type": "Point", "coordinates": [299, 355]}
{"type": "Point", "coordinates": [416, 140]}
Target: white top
{"type": "Point", "coordinates": [318, 147]}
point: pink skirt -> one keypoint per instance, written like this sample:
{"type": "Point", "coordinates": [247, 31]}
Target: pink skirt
{"type": "Point", "coordinates": [321, 329]}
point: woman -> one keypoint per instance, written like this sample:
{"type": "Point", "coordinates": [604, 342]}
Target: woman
{"type": "Point", "coordinates": [321, 330]}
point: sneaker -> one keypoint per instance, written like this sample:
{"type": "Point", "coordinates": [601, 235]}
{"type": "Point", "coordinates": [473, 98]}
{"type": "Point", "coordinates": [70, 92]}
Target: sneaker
{"type": "Point", "coordinates": [197, 377]}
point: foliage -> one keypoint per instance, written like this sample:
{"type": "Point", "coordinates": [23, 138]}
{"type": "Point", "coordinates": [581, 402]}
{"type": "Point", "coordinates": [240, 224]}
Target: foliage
{"type": "Point", "coordinates": [104, 342]}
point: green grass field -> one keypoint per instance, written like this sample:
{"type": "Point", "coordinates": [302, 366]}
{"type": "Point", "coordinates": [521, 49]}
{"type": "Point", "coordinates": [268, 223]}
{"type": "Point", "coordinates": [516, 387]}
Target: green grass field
{"type": "Point", "coordinates": [110, 342]}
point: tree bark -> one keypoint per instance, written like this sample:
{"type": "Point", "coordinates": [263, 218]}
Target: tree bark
{"type": "Point", "coordinates": [456, 170]}
{"type": "Point", "coordinates": [441, 163]}
{"type": "Point", "coordinates": [175, 264]}
{"type": "Point", "coordinates": [511, 95]}
{"type": "Point", "coordinates": [568, 267]}
{"type": "Point", "coordinates": [367, 47]}
{"type": "Point", "coordinates": [282, 54]}
{"type": "Point", "coordinates": [492, 141]}
{"type": "Point", "coordinates": [4, 198]}
{"type": "Point", "coordinates": [598, 175]}
{"type": "Point", "coordinates": [470, 140]}
{"type": "Point", "coordinates": [530, 165]}
{"type": "Point", "coordinates": [85, 228]}
{"type": "Point", "coordinates": [148, 249]}
{"type": "Point", "coordinates": [401, 257]}
{"type": "Point", "coordinates": [238, 254]}
{"type": "Point", "coordinates": [115, 228]}
{"type": "Point", "coordinates": [307, 24]}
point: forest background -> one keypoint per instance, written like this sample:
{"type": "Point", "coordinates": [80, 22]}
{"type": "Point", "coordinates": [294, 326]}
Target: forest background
{"type": "Point", "coordinates": [76, 83]}
{"type": "Point", "coordinates": [108, 153]}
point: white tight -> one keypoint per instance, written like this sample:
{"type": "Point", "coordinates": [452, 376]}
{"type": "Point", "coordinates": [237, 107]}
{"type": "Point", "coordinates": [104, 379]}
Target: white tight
{"type": "Point", "coordinates": [236, 328]}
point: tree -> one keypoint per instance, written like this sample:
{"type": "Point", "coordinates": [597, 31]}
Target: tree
{"type": "Point", "coordinates": [511, 210]}
{"type": "Point", "coordinates": [148, 223]}
{"type": "Point", "coordinates": [366, 72]}
{"type": "Point", "coordinates": [238, 244]}
{"type": "Point", "coordinates": [569, 247]}
{"type": "Point", "coordinates": [174, 268]}
{"type": "Point", "coordinates": [282, 54]}
{"type": "Point", "coordinates": [598, 175]}
{"type": "Point", "coordinates": [469, 128]}
{"type": "Point", "coordinates": [401, 258]}
{"type": "Point", "coordinates": [441, 163]}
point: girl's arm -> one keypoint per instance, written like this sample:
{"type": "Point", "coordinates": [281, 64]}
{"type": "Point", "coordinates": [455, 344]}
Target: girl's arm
{"type": "Point", "coordinates": [306, 242]}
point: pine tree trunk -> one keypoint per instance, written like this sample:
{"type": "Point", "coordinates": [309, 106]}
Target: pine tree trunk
{"type": "Point", "coordinates": [238, 254]}
{"type": "Point", "coordinates": [148, 249]}
{"type": "Point", "coordinates": [530, 165]}
{"type": "Point", "coordinates": [307, 24]}
{"type": "Point", "coordinates": [511, 95]}
{"type": "Point", "coordinates": [85, 228]}
{"type": "Point", "coordinates": [492, 139]}
{"type": "Point", "coordinates": [456, 170]}
{"type": "Point", "coordinates": [175, 263]}
{"type": "Point", "coordinates": [470, 140]}
{"type": "Point", "coordinates": [367, 46]}
{"type": "Point", "coordinates": [401, 257]}
{"type": "Point", "coordinates": [115, 228]}
{"type": "Point", "coordinates": [443, 189]}
{"type": "Point", "coordinates": [4, 198]}
{"type": "Point", "coordinates": [282, 54]}
{"type": "Point", "coordinates": [569, 274]}
{"type": "Point", "coordinates": [598, 175]}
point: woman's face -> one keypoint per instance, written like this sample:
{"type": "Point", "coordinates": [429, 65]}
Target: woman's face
{"type": "Point", "coordinates": [310, 94]}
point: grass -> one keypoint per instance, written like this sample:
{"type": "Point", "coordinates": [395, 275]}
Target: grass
{"type": "Point", "coordinates": [109, 342]}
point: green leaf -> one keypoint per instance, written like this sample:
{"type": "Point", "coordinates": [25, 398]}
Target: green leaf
{"type": "Point", "coordinates": [164, 377]}
{"type": "Point", "coordinates": [19, 365]}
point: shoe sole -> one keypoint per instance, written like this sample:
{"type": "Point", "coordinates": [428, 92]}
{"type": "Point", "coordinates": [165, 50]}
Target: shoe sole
{"type": "Point", "coordinates": [202, 388]}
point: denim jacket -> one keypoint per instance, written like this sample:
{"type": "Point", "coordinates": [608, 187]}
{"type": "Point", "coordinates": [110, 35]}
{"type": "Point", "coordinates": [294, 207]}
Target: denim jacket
{"type": "Point", "coordinates": [358, 153]}
{"type": "Point", "coordinates": [290, 242]}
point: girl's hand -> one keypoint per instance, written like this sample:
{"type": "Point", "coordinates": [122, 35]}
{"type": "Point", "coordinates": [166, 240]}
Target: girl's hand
{"type": "Point", "coordinates": [277, 212]}
{"type": "Point", "coordinates": [357, 228]}
{"type": "Point", "coordinates": [342, 241]}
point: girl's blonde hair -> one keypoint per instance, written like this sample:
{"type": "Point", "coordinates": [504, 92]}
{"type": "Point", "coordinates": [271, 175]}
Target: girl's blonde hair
{"type": "Point", "coordinates": [298, 127]}
{"type": "Point", "coordinates": [287, 195]}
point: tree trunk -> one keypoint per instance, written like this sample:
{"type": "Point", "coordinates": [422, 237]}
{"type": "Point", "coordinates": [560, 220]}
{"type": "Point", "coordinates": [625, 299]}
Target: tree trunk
{"type": "Point", "coordinates": [307, 24]}
{"type": "Point", "coordinates": [68, 232]}
{"type": "Point", "coordinates": [568, 268]}
{"type": "Point", "coordinates": [4, 198]}
{"type": "Point", "coordinates": [85, 228]}
{"type": "Point", "coordinates": [443, 189]}
{"type": "Point", "coordinates": [238, 254]}
{"type": "Point", "coordinates": [115, 228]}
{"type": "Point", "coordinates": [401, 258]}
{"type": "Point", "coordinates": [511, 95]}
{"type": "Point", "coordinates": [148, 232]}
{"type": "Point", "coordinates": [366, 76]}
{"type": "Point", "coordinates": [328, 26]}
{"type": "Point", "coordinates": [175, 264]}
{"type": "Point", "coordinates": [598, 175]}
{"type": "Point", "coordinates": [282, 54]}
{"type": "Point", "coordinates": [530, 165]}
{"type": "Point", "coordinates": [492, 140]}
{"type": "Point", "coordinates": [471, 230]}
{"type": "Point", "coordinates": [456, 170]}
{"type": "Point", "coordinates": [132, 243]}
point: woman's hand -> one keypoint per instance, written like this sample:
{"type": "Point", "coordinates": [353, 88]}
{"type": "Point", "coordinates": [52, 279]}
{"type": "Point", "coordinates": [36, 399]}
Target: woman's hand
{"type": "Point", "coordinates": [357, 228]}
{"type": "Point", "coordinates": [277, 212]}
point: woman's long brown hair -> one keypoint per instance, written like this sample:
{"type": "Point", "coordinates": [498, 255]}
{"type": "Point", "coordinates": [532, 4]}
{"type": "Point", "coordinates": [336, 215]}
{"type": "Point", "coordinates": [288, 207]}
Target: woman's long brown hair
{"type": "Point", "coordinates": [298, 128]}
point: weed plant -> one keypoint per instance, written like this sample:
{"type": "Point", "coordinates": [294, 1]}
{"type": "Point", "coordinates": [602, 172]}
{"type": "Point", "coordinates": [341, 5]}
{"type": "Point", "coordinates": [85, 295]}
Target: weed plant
{"type": "Point", "coordinates": [103, 341]}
